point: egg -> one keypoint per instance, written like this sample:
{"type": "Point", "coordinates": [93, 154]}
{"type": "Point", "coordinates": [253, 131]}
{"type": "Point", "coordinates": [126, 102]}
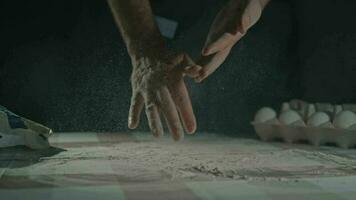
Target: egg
{"type": "Point", "coordinates": [344, 119]}
{"type": "Point", "coordinates": [310, 111]}
{"type": "Point", "coordinates": [301, 107]}
{"type": "Point", "coordinates": [352, 127]}
{"type": "Point", "coordinates": [297, 104]}
{"type": "Point", "coordinates": [337, 109]}
{"type": "Point", "coordinates": [325, 107]}
{"type": "Point", "coordinates": [265, 114]}
{"type": "Point", "coordinates": [350, 107]}
{"type": "Point", "coordinates": [290, 117]}
{"type": "Point", "coordinates": [318, 118]}
{"type": "Point", "coordinates": [285, 107]}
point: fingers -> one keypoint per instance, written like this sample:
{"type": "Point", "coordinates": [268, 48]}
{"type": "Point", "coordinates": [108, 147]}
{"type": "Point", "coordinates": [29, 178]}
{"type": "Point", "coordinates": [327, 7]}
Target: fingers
{"type": "Point", "coordinates": [189, 67]}
{"type": "Point", "coordinates": [245, 24]}
{"type": "Point", "coordinates": [152, 114]}
{"type": "Point", "coordinates": [223, 42]}
{"type": "Point", "coordinates": [187, 61]}
{"type": "Point", "coordinates": [170, 113]}
{"type": "Point", "coordinates": [192, 71]}
{"type": "Point", "coordinates": [182, 101]}
{"type": "Point", "coordinates": [211, 63]}
{"type": "Point", "coordinates": [136, 107]}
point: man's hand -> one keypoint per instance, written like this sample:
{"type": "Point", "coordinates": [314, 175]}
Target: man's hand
{"type": "Point", "coordinates": [157, 83]}
{"type": "Point", "coordinates": [157, 75]}
{"type": "Point", "coordinates": [229, 26]}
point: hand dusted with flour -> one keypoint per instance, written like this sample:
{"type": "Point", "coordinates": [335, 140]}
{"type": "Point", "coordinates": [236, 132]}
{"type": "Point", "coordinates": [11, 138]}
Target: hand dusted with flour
{"type": "Point", "coordinates": [157, 83]}
{"type": "Point", "coordinates": [157, 75]}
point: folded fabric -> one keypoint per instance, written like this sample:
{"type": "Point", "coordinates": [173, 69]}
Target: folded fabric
{"type": "Point", "coordinates": [16, 130]}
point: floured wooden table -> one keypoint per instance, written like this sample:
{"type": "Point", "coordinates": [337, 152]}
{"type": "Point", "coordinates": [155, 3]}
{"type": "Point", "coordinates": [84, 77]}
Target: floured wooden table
{"type": "Point", "coordinates": [204, 166]}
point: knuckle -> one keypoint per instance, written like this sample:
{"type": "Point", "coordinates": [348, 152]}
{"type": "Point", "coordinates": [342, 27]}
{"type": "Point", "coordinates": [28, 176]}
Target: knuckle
{"type": "Point", "coordinates": [204, 73]}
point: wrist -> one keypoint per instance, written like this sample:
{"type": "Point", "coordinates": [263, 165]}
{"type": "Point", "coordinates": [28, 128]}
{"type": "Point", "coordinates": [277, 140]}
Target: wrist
{"type": "Point", "coordinates": [145, 45]}
{"type": "Point", "coordinates": [264, 3]}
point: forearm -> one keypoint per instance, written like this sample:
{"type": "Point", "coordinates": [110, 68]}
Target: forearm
{"type": "Point", "coordinates": [264, 3]}
{"type": "Point", "coordinates": [137, 25]}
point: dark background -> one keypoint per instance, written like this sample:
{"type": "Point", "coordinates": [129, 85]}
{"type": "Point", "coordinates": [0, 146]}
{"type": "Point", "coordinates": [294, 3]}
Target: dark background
{"type": "Point", "coordinates": [64, 64]}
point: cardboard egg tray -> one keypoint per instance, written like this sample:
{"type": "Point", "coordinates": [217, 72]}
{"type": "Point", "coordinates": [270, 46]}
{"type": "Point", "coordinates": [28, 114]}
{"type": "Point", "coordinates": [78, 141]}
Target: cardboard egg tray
{"type": "Point", "coordinates": [270, 131]}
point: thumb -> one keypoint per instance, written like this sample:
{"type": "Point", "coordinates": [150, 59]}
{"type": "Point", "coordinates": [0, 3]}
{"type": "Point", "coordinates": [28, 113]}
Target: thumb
{"type": "Point", "coordinates": [221, 43]}
{"type": "Point", "coordinates": [190, 68]}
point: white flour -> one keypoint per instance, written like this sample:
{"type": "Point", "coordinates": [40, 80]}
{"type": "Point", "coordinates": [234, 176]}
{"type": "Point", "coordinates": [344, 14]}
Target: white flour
{"type": "Point", "coordinates": [203, 159]}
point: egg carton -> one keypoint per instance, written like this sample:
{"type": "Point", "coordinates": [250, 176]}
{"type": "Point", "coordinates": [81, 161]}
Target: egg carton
{"type": "Point", "coordinates": [317, 124]}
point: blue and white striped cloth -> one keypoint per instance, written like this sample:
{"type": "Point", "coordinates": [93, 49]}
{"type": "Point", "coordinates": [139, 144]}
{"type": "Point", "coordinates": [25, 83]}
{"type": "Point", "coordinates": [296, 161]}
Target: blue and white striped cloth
{"type": "Point", "coordinates": [16, 130]}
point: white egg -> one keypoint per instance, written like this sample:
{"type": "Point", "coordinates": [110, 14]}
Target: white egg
{"type": "Point", "coordinates": [301, 107]}
{"type": "Point", "coordinates": [311, 109]}
{"type": "Point", "coordinates": [297, 104]}
{"type": "Point", "coordinates": [337, 109]}
{"type": "Point", "coordinates": [285, 107]}
{"type": "Point", "coordinates": [265, 114]}
{"type": "Point", "coordinates": [352, 127]}
{"type": "Point", "coordinates": [318, 118]}
{"type": "Point", "coordinates": [324, 107]}
{"type": "Point", "coordinates": [289, 117]}
{"type": "Point", "coordinates": [344, 119]}
{"type": "Point", "coordinates": [350, 107]}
